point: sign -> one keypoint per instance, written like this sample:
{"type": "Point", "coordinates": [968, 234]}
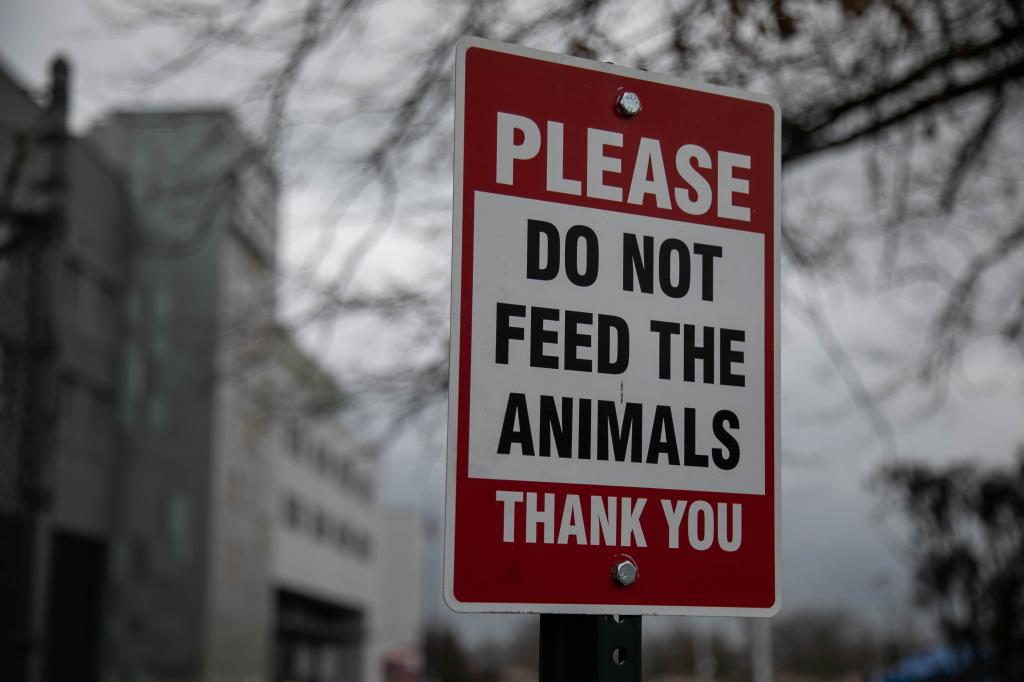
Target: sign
{"type": "Point", "coordinates": [614, 405]}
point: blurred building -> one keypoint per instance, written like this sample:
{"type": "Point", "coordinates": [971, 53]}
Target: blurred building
{"type": "Point", "coordinates": [63, 268]}
{"type": "Point", "coordinates": [204, 513]}
{"type": "Point", "coordinates": [326, 563]}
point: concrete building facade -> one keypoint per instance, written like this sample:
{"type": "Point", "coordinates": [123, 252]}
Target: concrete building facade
{"type": "Point", "coordinates": [63, 259]}
{"type": "Point", "coordinates": [192, 534]}
{"type": "Point", "coordinates": [326, 537]}
{"type": "Point", "coordinates": [228, 517]}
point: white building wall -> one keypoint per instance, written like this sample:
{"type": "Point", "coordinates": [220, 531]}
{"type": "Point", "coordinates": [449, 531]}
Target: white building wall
{"type": "Point", "coordinates": [326, 534]}
{"type": "Point", "coordinates": [327, 474]}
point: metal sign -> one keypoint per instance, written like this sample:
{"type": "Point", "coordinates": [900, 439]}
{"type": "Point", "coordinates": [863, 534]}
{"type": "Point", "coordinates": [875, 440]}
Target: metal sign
{"type": "Point", "coordinates": [614, 405]}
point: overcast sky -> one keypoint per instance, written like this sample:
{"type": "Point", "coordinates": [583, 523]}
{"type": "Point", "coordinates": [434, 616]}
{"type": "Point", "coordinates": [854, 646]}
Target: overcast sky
{"type": "Point", "coordinates": [835, 551]}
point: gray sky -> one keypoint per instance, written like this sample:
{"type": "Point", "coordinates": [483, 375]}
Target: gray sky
{"type": "Point", "coordinates": [835, 552]}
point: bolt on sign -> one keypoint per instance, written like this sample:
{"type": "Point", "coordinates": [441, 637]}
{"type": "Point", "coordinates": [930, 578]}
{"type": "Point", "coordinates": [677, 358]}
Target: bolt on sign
{"type": "Point", "coordinates": [614, 405]}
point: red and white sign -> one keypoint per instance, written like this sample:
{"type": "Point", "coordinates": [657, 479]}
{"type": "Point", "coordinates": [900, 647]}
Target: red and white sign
{"type": "Point", "coordinates": [615, 343]}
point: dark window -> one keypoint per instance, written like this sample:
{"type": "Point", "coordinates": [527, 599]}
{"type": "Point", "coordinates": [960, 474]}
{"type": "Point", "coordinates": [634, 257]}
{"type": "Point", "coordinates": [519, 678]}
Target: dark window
{"type": "Point", "coordinates": [295, 439]}
{"type": "Point", "coordinates": [320, 525]}
{"type": "Point", "coordinates": [75, 607]}
{"type": "Point", "coordinates": [317, 641]}
{"type": "Point", "coordinates": [292, 512]}
{"type": "Point", "coordinates": [344, 536]}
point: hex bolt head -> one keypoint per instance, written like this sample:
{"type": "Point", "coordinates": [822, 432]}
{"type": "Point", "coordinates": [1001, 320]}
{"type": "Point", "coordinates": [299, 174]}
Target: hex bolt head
{"type": "Point", "coordinates": [625, 572]}
{"type": "Point", "coordinates": [627, 104]}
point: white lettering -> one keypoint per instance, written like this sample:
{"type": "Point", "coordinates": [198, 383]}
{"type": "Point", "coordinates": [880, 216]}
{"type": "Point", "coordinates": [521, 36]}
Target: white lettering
{"type": "Point", "coordinates": [701, 202]}
{"type": "Point", "coordinates": [629, 523]}
{"type": "Point", "coordinates": [508, 499]}
{"type": "Point", "coordinates": [598, 164]}
{"type": "Point", "coordinates": [572, 522]}
{"type": "Point", "coordinates": [649, 163]}
{"type": "Point", "coordinates": [673, 516]}
{"type": "Point", "coordinates": [574, 526]}
{"type": "Point", "coordinates": [545, 517]}
{"type": "Point", "coordinates": [733, 543]}
{"type": "Point", "coordinates": [602, 521]}
{"type": "Point", "coordinates": [556, 162]}
{"type": "Point", "coordinates": [693, 197]}
{"type": "Point", "coordinates": [698, 509]}
{"type": "Point", "coordinates": [508, 151]}
{"type": "Point", "coordinates": [729, 185]}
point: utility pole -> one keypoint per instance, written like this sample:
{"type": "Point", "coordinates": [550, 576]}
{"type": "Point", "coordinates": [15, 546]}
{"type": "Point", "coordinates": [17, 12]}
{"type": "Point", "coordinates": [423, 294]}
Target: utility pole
{"type": "Point", "coordinates": [761, 650]}
{"type": "Point", "coordinates": [29, 567]}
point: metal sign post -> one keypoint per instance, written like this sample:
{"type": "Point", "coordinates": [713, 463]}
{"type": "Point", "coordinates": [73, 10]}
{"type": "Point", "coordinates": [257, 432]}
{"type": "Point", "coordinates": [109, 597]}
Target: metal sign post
{"type": "Point", "coordinates": [598, 648]}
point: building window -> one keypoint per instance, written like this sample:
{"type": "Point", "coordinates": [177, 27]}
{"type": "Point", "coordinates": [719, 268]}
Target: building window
{"type": "Point", "coordinates": [317, 641]}
{"type": "Point", "coordinates": [344, 537]}
{"type": "Point", "coordinates": [292, 512]}
{"type": "Point", "coordinates": [364, 489]}
{"type": "Point", "coordinates": [320, 525]}
{"type": "Point", "coordinates": [363, 546]}
{"type": "Point", "coordinates": [295, 439]}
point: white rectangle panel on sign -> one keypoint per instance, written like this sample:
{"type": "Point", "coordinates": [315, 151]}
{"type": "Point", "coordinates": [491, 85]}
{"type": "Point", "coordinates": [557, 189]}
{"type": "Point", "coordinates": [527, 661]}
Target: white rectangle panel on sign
{"type": "Point", "coordinates": [707, 436]}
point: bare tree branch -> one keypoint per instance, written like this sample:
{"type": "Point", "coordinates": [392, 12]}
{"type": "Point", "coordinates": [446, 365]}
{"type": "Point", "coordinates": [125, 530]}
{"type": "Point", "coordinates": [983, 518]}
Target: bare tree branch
{"type": "Point", "coordinates": [892, 82]}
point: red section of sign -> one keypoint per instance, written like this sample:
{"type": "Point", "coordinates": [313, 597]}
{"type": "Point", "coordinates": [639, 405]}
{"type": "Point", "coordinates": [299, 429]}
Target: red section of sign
{"type": "Point", "coordinates": [583, 99]}
{"type": "Point", "coordinates": [488, 570]}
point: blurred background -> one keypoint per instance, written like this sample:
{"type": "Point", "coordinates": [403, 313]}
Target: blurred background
{"type": "Point", "coordinates": [224, 255]}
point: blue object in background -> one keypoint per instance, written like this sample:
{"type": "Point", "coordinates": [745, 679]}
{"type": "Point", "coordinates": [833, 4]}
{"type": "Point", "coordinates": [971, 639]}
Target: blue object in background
{"type": "Point", "coordinates": [941, 663]}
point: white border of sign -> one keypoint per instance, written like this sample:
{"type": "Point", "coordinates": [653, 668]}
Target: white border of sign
{"type": "Point", "coordinates": [456, 318]}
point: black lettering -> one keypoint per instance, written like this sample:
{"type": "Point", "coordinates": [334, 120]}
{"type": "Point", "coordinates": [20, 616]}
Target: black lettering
{"type": "Point", "coordinates": [622, 434]}
{"type": "Point", "coordinates": [708, 253]}
{"type": "Point", "coordinates": [722, 460]}
{"type": "Point", "coordinates": [692, 352]}
{"type": "Point", "coordinates": [540, 336]}
{"type": "Point", "coordinates": [680, 288]}
{"type": "Point", "coordinates": [574, 340]}
{"type": "Point", "coordinates": [516, 413]}
{"type": "Point", "coordinates": [664, 330]}
{"type": "Point", "coordinates": [729, 356]}
{"type": "Point", "coordinates": [663, 437]}
{"type": "Point", "coordinates": [535, 229]}
{"type": "Point", "coordinates": [554, 426]}
{"type": "Point", "coordinates": [505, 331]}
{"type": "Point", "coordinates": [572, 271]}
{"type": "Point", "coordinates": [605, 325]}
{"type": "Point", "coordinates": [690, 456]}
{"type": "Point", "coordinates": [637, 266]}
{"type": "Point", "coordinates": [583, 433]}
